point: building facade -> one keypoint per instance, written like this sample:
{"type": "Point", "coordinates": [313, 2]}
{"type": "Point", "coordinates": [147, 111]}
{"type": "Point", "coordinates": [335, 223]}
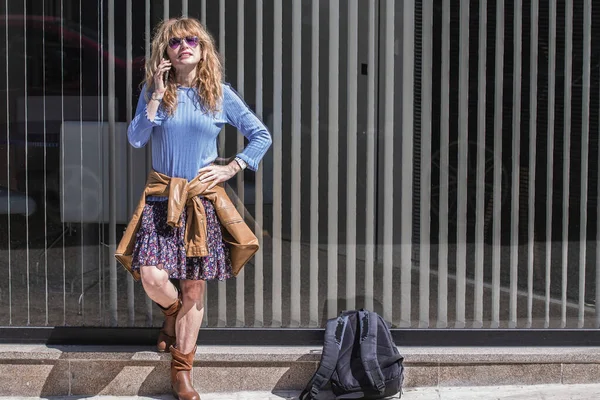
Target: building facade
{"type": "Point", "coordinates": [433, 161]}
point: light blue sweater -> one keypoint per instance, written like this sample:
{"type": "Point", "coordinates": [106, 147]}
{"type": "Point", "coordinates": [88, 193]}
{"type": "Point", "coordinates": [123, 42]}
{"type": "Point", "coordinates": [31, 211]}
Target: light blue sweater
{"type": "Point", "coordinates": [187, 141]}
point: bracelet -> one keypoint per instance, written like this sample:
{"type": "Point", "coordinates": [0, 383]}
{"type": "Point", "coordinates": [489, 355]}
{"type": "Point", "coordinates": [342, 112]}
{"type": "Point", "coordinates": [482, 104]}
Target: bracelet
{"type": "Point", "coordinates": [156, 99]}
{"type": "Point", "coordinates": [241, 163]}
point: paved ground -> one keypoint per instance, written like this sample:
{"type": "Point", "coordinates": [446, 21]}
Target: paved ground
{"type": "Point", "coordinates": [533, 392]}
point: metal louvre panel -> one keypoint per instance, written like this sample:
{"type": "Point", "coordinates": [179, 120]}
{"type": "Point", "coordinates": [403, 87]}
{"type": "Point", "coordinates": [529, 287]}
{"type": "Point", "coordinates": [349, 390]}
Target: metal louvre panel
{"type": "Point", "coordinates": [434, 161]}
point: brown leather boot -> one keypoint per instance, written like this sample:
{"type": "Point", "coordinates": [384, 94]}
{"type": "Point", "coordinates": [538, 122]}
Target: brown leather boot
{"type": "Point", "coordinates": [165, 339]}
{"type": "Point", "coordinates": [181, 375]}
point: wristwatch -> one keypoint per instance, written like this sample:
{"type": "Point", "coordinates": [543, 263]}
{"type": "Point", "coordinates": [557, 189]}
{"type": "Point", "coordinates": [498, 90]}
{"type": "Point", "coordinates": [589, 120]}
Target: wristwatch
{"type": "Point", "coordinates": [241, 163]}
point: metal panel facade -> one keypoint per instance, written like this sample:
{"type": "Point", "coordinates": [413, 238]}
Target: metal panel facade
{"type": "Point", "coordinates": [434, 161]}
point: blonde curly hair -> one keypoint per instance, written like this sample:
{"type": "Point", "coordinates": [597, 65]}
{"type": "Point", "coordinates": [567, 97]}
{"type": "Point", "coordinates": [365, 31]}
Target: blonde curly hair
{"type": "Point", "coordinates": [209, 71]}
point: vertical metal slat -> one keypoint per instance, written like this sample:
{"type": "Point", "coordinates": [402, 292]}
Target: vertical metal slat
{"type": "Point", "coordinates": [8, 169]}
{"type": "Point", "coordinates": [240, 281]}
{"type": "Point", "coordinates": [566, 157]}
{"type": "Point", "coordinates": [259, 258]}
{"type": "Point", "coordinates": [550, 152]}
{"type": "Point", "coordinates": [277, 163]}
{"type": "Point", "coordinates": [351, 154]}
{"type": "Point", "coordinates": [129, 102]}
{"type": "Point", "coordinates": [442, 309]}
{"type": "Point", "coordinates": [99, 128]}
{"type": "Point", "coordinates": [481, 155]}
{"type": "Point", "coordinates": [463, 140]}
{"type": "Point", "coordinates": [585, 141]}
{"type": "Point", "coordinates": [62, 161]}
{"type": "Point", "coordinates": [46, 323]}
{"type": "Point", "coordinates": [516, 148]}
{"type": "Point", "coordinates": [26, 164]}
{"type": "Point", "coordinates": [408, 50]}
{"type": "Point", "coordinates": [314, 169]}
{"type": "Point", "coordinates": [206, 301]}
{"type": "Point", "coordinates": [426, 115]}
{"type": "Point", "coordinates": [332, 195]}
{"type": "Point", "coordinates": [222, 285]}
{"type": "Point", "coordinates": [222, 51]}
{"type": "Point", "coordinates": [533, 93]}
{"type": "Point", "coordinates": [597, 298]}
{"type": "Point", "coordinates": [184, 8]}
{"type": "Point", "coordinates": [148, 34]}
{"type": "Point", "coordinates": [112, 173]}
{"type": "Point", "coordinates": [149, 302]}
{"type": "Point", "coordinates": [497, 201]}
{"type": "Point", "coordinates": [81, 245]}
{"type": "Point", "coordinates": [370, 180]}
{"type": "Point", "coordinates": [296, 260]}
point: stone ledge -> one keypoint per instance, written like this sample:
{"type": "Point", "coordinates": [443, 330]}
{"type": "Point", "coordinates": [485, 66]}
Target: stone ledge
{"type": "Point", "coordinates": [39, 370]}
{"type": "Point", "coordinates": [267, 354]}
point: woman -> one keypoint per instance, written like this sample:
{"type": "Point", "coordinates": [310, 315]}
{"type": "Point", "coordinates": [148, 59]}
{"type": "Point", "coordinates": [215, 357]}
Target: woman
{"type": "Point", "coordinates": [182, 108]}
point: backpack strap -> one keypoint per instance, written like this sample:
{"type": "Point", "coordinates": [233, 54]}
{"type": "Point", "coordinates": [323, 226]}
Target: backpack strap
{"type": "Point", "coordinates": [368, 349]}
{"type": "Point", "coordinates": [334, 335]}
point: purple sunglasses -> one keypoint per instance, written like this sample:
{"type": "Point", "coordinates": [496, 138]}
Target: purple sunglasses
{"type": "Point", "coordinates": [192, 41]}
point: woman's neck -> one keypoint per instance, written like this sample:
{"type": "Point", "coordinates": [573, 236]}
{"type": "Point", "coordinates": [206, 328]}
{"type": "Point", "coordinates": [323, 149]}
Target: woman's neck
{"type": "Point", "coordinates": [186, 77]}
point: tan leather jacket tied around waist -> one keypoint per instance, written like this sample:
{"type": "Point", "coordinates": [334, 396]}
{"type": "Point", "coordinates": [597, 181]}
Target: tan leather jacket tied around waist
{"type": "Point", "coordinates": [242, 243]}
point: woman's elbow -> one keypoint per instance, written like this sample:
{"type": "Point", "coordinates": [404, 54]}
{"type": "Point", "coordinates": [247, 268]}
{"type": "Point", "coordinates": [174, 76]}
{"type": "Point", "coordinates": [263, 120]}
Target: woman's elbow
{"type": "Point", "coordinates": [268, 139]}
{"type": "Point", "coordinates": [136, 145]}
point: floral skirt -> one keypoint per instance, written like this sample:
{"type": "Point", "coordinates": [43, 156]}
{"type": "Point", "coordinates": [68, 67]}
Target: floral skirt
{"type": "Point", "coordinates": [160, 245]}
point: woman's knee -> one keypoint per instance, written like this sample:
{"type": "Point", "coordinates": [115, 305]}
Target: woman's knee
{"type": "Point", "coordinates": [153, 278]}
{"type": "Point", "coordinates": [193, 291]}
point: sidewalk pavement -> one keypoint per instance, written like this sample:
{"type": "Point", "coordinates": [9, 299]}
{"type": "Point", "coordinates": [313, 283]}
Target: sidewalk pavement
{"type": "Point", "coordinates": [527, 392]}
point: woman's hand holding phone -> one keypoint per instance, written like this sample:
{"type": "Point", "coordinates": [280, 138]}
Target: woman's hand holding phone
{"type": "Point", "coordinates": [160, 76]}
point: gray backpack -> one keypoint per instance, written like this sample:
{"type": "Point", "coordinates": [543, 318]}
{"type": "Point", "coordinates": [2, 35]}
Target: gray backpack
{"type": "Point", "coordinates": [359, 358]}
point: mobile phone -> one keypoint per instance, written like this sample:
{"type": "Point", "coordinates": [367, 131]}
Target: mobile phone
{"type": "Point", "coordinates": [166, 76]}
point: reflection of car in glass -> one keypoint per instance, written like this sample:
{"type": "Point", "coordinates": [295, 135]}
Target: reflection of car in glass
{"type": "Point", "coordinates": [56, 71]}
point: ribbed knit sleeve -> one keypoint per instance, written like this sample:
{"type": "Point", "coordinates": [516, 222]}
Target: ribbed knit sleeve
{"type": "Point", "coordinates": [140, 128]}
{"type": "Point", "coordinates": [239, 115]}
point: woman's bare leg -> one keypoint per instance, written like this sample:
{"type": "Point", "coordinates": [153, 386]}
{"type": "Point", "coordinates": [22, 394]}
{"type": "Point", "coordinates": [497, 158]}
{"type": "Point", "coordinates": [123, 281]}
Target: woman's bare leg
{"type": "Point", "coordinates": [190, 316]}
{"type": "Point", "coordinates": [158, 286]}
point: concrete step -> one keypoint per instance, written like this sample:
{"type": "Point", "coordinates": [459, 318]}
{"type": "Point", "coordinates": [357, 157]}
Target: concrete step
{"type": "Point", "coordinates": [42, 371]}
